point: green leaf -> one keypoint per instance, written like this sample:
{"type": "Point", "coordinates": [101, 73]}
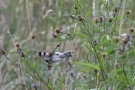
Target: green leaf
{"type": "Point", "coordinates": [87, 65]}
{"type": "Point", "coordinates": [111, 47]}
{"type": "Point", "coordinates": [83, 44]}
{"type": "Point", "coordinates": [81, 35]}
{"type": "Point", "coordinates": [103, 43]}
{"type": "Point", "coordinates": [90, 48]}
{"type": "Point", "coordinates": [49, 85]}
{"type": "Point", "coordinates": [52, 21]}
{"type": "Point", "coordinates": [60, 83]}
{"type": "Point", "coordinates": [103, 1]}
{"type": "Point", "coordinates": [81, 85]}
{"type": "Point", "coordinates": [85, 69]}
{"type": "Point", "coordinates": [88, 12]}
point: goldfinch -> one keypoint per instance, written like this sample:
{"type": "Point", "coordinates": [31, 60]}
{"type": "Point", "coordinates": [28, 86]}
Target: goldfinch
{"type": "Point", "coordinates": [56, 57]}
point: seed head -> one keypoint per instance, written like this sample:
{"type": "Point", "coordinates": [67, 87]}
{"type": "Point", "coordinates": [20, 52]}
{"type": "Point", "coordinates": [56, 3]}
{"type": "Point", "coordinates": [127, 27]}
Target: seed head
{"type": "Point", "coordinates": [71, 73]}
{"type": "Point", "coordinates": [128, 36]}
{"type": "Point", "coordinates": [3, 51]}
{"type": "Point", "coordinates": [101, 18]}
{"type": "Point", "coordinates": [72, 16]}
{"type": "Point", "coordinates": [33, 37]}
{"type": "Point", "coordinates": [110, 20]}
{"type": "Point", "coordinates": [95, 42]}
{"type": "Point", "coordinates": [104, 55]}
{"type": "Point", "coordinates": [117, 65]}
{"type": "Point", "coordinates": [58, 45]}
{"type": "Point", "coordinates": [54, 35]}
{"type": "Point", "coordinates": [85, 76]}
{"type": "Point", "coordinates": [17, 45]}
{"type": "Point", "coordinates": [116, 39]}
{"type": "Point", "coordinates": [116, 8]}
{"type": "Point", "coordinates": [49, 66]}
{"type": "Point", "coordinates": [95, 70]}
{"type": "Point", "coordinates": [35, 85]}
{"type": "Point", "coordinates": [129, 87]}
{"type": "Point", "coordinates": [128, 12]}
{"type": "Point", "coordinates": [80, 18]}
{"type": "Point", "coordinates": [75, 7]}
{"type": "Point", "coordinates": [69, 35]}
{"type": "Point", "coordinates": [96, 21]}
{"type": "Point", "coordinates": [125, 38]}
{"type": "Point", "coordinates": [22, 54]}
{"type": "Point", "coordinates": [125, 41]}
{"type": "Point", "coordinates": [58, 30]}
{"type": "Point", "coordinates": [23, 85]}
{"type": "Point", "coordinates": [131, 30]}
{"type": "Point", "coordinates": [18, 63]}
{"type": "Point", "coordinates": [69, 62]}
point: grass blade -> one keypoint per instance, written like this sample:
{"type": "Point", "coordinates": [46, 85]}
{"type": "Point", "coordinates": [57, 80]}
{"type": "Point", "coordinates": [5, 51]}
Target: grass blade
{"type": "Point", "coordinates": [87, 65]}
{"type": "Point", "coordinates": [60, 83]}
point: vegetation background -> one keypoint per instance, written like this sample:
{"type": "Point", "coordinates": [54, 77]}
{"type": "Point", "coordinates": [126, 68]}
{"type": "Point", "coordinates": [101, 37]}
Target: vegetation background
{"type": "Point", "coordinates": [22, 22]}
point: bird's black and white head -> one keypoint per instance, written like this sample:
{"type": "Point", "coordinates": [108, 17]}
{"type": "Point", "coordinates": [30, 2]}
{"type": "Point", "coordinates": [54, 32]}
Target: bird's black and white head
{"type": "Point", "coordinates": [41, 54]}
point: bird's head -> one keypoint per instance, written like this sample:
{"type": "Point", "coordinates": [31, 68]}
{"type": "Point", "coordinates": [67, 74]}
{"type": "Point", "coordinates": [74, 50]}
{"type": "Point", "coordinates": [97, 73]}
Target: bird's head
{"type": "Point", "coordinates": [41, 54]}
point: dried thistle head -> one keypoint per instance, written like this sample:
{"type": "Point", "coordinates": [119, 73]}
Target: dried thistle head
{"type": "Point", "coordinates": [58, 45]}
{"type": "Point", "coordinates": [49, 66]}
{"type": "Point", "coordinates": [80, 18]}
{"type": "Point", "coordinates": [22, 54]}
{"type": "Point", "coordinates": [85, 76]}
{"type": "Point", "coordinates": [33, 37]}
{"type": "Point", "coordinates": [75, 7]}
{"type": "Point", "coordinates": [128, 12]}
{"type": "Point", "coordinates": [72, 16]}
{"type": "Point", "coordinates": [54, 35]}
{"type": "Point", "coordinates": [3, 51]}
{"type": "Point", "coordinates": [69, 35]}
{"type": "Point", "coordinates": [95, 70]}
{"type": "Point", "coordinates": [131, 30]}
{"type": "Point", "coordinates": [117, 39]}
{"type": "Point", "coordinates": [110, 20]}
{"type": "Point", "coordinates": [96, 21]}
{"type": "Point", "coordinates": [104, 55]}
{"type": "Point", "coordinates": [17, 45]}
{"type": "Point", "coordinates": [58, 30]}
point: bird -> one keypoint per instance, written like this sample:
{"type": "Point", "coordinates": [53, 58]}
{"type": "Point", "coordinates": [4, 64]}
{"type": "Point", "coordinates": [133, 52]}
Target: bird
{"type": "Point", "coordinates": [56, 57]}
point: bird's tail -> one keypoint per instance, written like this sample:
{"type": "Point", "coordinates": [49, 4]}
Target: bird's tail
{"type": "Point", "coordinates": [67, 54]}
